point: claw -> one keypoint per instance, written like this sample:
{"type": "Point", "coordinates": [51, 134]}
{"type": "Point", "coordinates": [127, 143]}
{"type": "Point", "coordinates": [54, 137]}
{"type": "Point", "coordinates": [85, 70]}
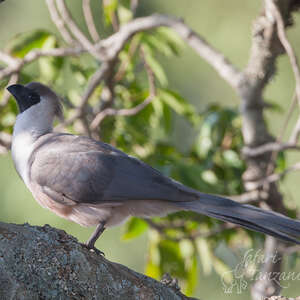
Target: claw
{"type": "Point", "coordinates": [93, 249]}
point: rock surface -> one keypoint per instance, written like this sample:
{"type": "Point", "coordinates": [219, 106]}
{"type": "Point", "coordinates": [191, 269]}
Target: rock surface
{"type": "Point", "coordinates": [46, 263]}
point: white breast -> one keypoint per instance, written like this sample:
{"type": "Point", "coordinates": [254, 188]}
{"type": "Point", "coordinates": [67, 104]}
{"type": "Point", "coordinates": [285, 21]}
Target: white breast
{"type": "Point", "coordinates": [21, 150]}
{"type": "Point", "coordinates": [30, 125]}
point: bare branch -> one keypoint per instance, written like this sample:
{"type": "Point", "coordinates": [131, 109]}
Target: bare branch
{"type": "Point", "coordinates": [272, 163]}
{"type": "Point", "coordinates": [269, 147]}
{"type": "Point", "coordinates": [275, 177]}
{"type": "Point", "coordinates": [8, 59]}
{"type": "Point", "coordinates": [89, 20]}
{"type": "Point", "coordinates": [134, 5]}
{"type": "Point", "coordinates": [250, 197]}
{"type": "Point", "coordinates": [34, 54]}
{"type": "Point", "coordinates": [296, 132]}
{"type": "Point", "coordinates": [110, 47]}
{"type": "Point", "coordinates": [59, 22]}
{"type": "Point", "coordinates": [74, 29]}
{"type": "Point", "coordinates": [286, 44]}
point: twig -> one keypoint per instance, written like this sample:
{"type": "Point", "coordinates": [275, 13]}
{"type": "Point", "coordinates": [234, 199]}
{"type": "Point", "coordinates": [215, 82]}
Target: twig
{"type": "Point", "coordinates": [296, 132]}
{"type": "Point", "coordinates": [74, 29]}
{"type": "Point", "coordinates": [286, 44]}
{"type": "Point", "coordinates": [94, 81]}
{"type": "Point", "coordinates": [250, 197]}
{"type": "Point", "coordinates": [269, 147]}
{"type": "Point", "coordinates": [89, 20]}
{"type": "Point", "coordinates": [274, 177]}
{"type": "Point", "coordinates": [130, 111]}
{"type": "Point", "coordinates": [17, 65]}
{"type": "Point", "coordinates": [133, 6]}
{"type": "Point", "coordinates": [122, 69]}
{"type": "Point", "coordinates": [59, 22]}
{"type": "Point", "coordinates": [111, 46]}
{"type": "Point", "coordinates": [114, 17]}
{"type": "Point", "coordinates": [272, 163]}
{"type": "Point", "coordinates": [8, 59]}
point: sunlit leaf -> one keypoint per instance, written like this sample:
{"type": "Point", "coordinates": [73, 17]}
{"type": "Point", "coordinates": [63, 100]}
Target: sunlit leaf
{"type": "Point", "coordinates": [192, 277]}
{"type": "Point", "coordinates": [171, 260]}
{"type": "Point", "coordinates": [22, 43]}
{"type": "Point", "coordinates": [172, 38]}
{"type": "Point", "coordinates": [125, 14]}
{"type": "Point", "coordinates": [232, 159]}
{"type": "Point", "coordinates": [134, 227]}
{"type": "Point", "coordinates": [155, 66]}
{"type": "Point", "coordinates": [109, 8]}
{"type": "Point", "coordinates": [50, 66]}
{"type": "Point", "coordinates": [178, 104]}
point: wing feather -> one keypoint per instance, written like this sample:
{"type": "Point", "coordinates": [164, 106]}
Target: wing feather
{"type": "Point", "coordinates": [85, 171]}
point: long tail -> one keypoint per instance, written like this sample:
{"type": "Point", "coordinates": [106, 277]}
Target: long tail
{"type": "Point", "coordinates": [247, 216]}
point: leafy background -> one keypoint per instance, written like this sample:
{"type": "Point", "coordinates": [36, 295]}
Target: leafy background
{"type": "Point", "coordinates": [191, 131]}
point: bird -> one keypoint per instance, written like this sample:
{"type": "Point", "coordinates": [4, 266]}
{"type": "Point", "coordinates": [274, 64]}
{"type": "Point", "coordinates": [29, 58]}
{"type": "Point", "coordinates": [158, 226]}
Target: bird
{"type": "Point", "coordinates": [96, 185]}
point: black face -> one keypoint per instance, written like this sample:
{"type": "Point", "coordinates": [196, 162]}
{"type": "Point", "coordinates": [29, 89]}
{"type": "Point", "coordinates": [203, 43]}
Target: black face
{"type": "Point", "coordinates": [25, 97]}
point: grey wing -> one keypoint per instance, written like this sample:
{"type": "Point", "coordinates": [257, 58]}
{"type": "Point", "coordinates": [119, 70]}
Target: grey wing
{"type": "Point", "coordinates": [99, 174]}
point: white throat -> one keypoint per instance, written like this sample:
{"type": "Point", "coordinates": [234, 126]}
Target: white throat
{"type": "Point", "coordinates": [30, 125]}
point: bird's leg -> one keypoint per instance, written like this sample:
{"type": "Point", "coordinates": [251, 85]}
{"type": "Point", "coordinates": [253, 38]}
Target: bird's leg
{"type": "Point", "coordinates": [90, 244]}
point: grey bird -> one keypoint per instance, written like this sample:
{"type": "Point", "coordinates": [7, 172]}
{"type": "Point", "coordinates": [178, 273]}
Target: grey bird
{"type": "Point", "coordinates": [94, 184]}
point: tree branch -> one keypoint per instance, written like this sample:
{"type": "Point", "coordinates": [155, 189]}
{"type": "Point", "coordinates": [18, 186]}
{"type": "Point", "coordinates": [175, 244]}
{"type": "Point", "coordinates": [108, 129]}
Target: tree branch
{"type": "Point", "coordinates": [74, 29]}
{"type": "Point", "coordinates": [89, 20]}
{"type": "Point", "coordinates": [59, 22]}
{"type": "Point", "coordinates": [110, 47]}
{"type": "Point", "coordinates": [269, 147]}
{"type": "Point", "coordinates": [17, 63]}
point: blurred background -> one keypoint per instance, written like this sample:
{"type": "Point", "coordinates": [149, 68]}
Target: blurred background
{"type": "Point", "coordinates": [224, 24]}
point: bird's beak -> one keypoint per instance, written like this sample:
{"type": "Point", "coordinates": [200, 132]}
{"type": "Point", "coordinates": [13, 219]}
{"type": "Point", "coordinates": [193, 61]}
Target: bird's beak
{"type": "Point", "coordinates": [18, 91]}
{"type": "Point", "coordinates": [22, 96]}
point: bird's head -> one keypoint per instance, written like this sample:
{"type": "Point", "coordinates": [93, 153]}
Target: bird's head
{"type": "Point", "coordinates": [38, 106]}
{"type": "Point", "coordinates": [36, 93]}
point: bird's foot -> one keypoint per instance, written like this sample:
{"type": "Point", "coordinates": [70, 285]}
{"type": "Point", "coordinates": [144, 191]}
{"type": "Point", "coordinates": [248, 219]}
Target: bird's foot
{"type": "Point", "coordinates": [92, 248]}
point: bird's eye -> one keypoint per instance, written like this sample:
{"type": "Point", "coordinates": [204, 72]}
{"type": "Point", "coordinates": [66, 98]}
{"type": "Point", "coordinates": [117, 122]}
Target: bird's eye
{"type": "Point", "coordinates": [34, 97]}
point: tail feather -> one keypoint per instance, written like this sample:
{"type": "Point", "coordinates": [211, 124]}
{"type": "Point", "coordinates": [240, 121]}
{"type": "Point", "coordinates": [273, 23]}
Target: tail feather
{"type": "Point", "coordinates": [247, 216]}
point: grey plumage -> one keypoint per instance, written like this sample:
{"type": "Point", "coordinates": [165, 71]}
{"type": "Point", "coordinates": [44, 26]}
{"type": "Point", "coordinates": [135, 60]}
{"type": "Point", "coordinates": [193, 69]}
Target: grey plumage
{"type": "Point", "coordinates": [92, 183]}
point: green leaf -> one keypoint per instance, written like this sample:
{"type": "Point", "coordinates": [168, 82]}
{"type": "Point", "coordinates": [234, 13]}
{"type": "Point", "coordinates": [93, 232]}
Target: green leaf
{"type": "Point", "coordinates": [109, 8]}
{"type": "Point", "coordinates": [178, 104]}
{"type": "Point", "coordinates": [158, 44]}
{"type": "Point", "coordinates": [152, 270]}
{"type": "Point", "coordinates": [50, 66]}
{"type": "Point", "coordinates": [192, 277]}
{"type": "Point", "coordinates": [134, 227]}
{"type": "Point", "coordinates": [22, 43]}
{"type": "Point", "coordinates": [171, 260]}
{"type": "Point", "coordinates": [155, 66]}
{"type": "Point", "coordinates": [232, 159]}
{"type": "Point", "coordinates": [281, 162]}
{"type": "Point", "coordinates": [125, 14]}
{"type": "Point", "coordinates": [172, 38]}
